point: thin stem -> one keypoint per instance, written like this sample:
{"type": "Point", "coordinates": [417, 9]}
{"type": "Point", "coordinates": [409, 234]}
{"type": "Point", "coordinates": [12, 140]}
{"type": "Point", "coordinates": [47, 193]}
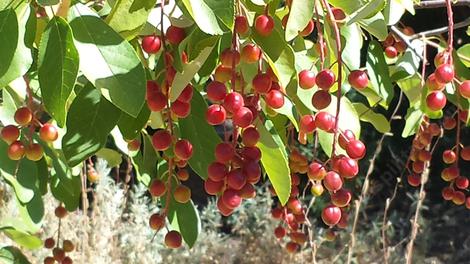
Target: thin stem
{"type": "Point", "coordinates": [439, 3]}
{"type": "Point", "coordinates": [320, 36]}
{"type": "Point", "coordinates": [450, 19]}
{"type": "Point", "coordinates": [438, 31]}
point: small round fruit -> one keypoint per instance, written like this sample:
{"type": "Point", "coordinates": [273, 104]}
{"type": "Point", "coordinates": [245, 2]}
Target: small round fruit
{"type": "Point", "coordinates": [345, 137]}
{"type": "Point", "coordinates": [441, 58]}
{"type": "Point", "coordinates": [331, 215]}
{"type": "Point", "coordinates": [223, 209]}
{"type": "Point", "coordinates": [156, 221]}
{"type": "Point", "coordinates": [49, 243]}
{"type": "Point", "coordinates": [332, 181]}
{"type": "Point", "coordinates": [307, 124]}
{"type": "Point", "coordinates": [182, 194]}
{"type": "Point", "coordinates": [464, 89]}
{"type": "Point", "coordinates": [213, 187]}
{"type": "Point", "coordinates": [224, 152]}
{"type": "Point", "coordinates": [348, 167]}
{"type": "Point", "coordinates": [151, 44]}
{"type": "Point", "coordinates": [250, 136]}
{"type": "Point", "coordinates": [59, 254]}
{"type": "Point", "coordinates": [34, 152]}
{"type": "Point", "coordinates": [180, 109]}
{"type": "Point", "coordinates": [48, 133]}
{"type": "Point", "coordinates": [264, 25]}
{"type": "Point", "coordinates": [341, 198]}
{"type": "Point", "coordinates": [173, 239]}
{"type": "Point", "coordinates": [231, 199]}
{"type": "Point", "coordinates": [156, 101]}
{"type": "Point", "coordinates": [321, 99]}
{"type": "Point", "coordinates": [449, 156]}
{"type": "Point", "coordinates": [317, 189]}
{"type": "Point", "coordinates": [157, 188]}
{"type": "Point", "coordinates": [229, 58]}
{"type": "Point", "coordinates": [217, 171]}
{"type": "Point", "coordinates": [316, 171]}
{"type": "Point", "coordinates": [465, 153]}
{"type": "Point", "coordinates": [358, 79]}
{"type": "Point", "coordinates": [306, 79]}
{"type": "Point", "coordinates": [461, 182]}
{"type": "Point", "coordinates": [23, 116]}
{"type": "Point", "coordinates": [262, 83]}
{"type": "Point", "coordinates": [308, 29]}
{"type": "Point", "coordinates": [241, 25]}
{"type": "Point", "coordinates": [60, 212]}
{"type": "Point", "coordinates": [233, 101]}
{"type": "Point", "coordinates": [292, 247]}
{"type": "Point", "coordinates": [187, 94]}
{"type": "Point", "coordinates": [444, 73]}
{"type": "Point", "coordinates": [10, 134]}
{"type": "Point", "coordinates": [251, 53]}
{"type": "Point", "coordinates": [243, 117]}
{"type": "Point", "coordinates": [391, 52]}
{"type": "Point", "coordinates": [414, 179]}
{"type": "Point", "coordinates": [182, 175]}
{"type": "Point", "coordinates": [216, 91]}
{"type": "Point", "coordinates": [356, 149]}
{"type": "Point", "coordinates": [175, 35]}
{"type": "Point", "coordinates": [49, 260]}
{"type": "Point", "coordinates": [68, 246]}
{"type": "Point", "coordinates": [275, 99]}
{"type": "Point", "coordinates": [216, 114]}
{"type": "Point", "coordinates": [16, 150]}
{"type": "Point", "coordinates": [449, 123]}
{"type": "Point", "coordinates": [280, 232]}
{"type": "Point", "coordinates": [161, 140]}
{"type": "Point", "coordinates": [236, 179]}
{"type": "Point", "coordinates": [325, 79]}
{"type": "Point", "coordinates": [183, 149]}
{"type": "Point", "coordinates": [433, 84]}
{"type": "Point", "coordinates": [447, 193]}
{"type": "Point", "coordinates": [133, 145]}
{"type": "Point", "coordinates": [436, 100]}
{"type": "Point", "coordinates": [67, 260]}
{"type": "Point", "coordinates": [325, 121]}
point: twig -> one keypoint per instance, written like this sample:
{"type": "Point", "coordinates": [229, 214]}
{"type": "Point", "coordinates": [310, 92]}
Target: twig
{"type": "Point", "coordinates": [406, 40]}
{"type": "Point", "coordinates": [384, 221]}
{"type": "Point", "coordinates": [438, 31]}
{"type": "Point", "coordinates": [439, 3]}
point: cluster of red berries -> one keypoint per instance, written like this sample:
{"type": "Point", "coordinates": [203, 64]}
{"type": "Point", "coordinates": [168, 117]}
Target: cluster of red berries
{"type": "Point", "coordinates": [59, 254]}
{"type": "Point", "coordinates": [393, 46]}
{"type": "Point", "coordinates": [20, 147]}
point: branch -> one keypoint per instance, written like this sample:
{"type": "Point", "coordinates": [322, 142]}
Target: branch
{"type": "Point", "coordinates": [439, 3]}
{"type": "Point", "coordinates": [407, 40]}
{"type": "Point", "coordinates": [438, 31]}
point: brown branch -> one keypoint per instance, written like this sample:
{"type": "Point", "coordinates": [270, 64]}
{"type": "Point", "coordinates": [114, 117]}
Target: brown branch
{"type": "Point", "coordinates": [384, 221]}
{"type": "Point", "coordinates": [406, 40]}
{"type": "Point", "coordinates": [441, 30]}
{"type": "Point", "coordinates": [439, 3]}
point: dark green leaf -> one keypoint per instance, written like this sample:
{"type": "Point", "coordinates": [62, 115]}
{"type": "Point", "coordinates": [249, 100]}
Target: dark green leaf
{"type": "Point", "coordinates": [130, 127]}
{"type": "Point", "coordinates": [202, 136]}
{"type": "Point", "coordinates": [413, 121]}
{"type": "Point", "coordinates": [22, 238]}
{"type": "Point", "coordinates": [108, 61]}
{"type": "Point", "coordinates": [377, 69]}
{"type": "Point", "coordinates": [145, 162]}
{"type": "Point", "coordinates": [89, 122]}
{"type": "Point", "coordinates": [207, 13]}
{"type": "Point", "coordinates": [48, 2]}
{"type": "Point", "coordinates": [366, 114]}
{"type": "Point", "coordinates": [58, 67]}
{"type": "Point", "coordinates": [185, 218]}
{"type": "Point", "coordinates": [12, 255]}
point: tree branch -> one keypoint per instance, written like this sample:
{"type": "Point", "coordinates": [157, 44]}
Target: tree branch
{"type": "Point", "coordinates": [439, 3]}
{"type": "Point", "coordinates": [440, 30]}
{"type": "Point", "coordinates": [405, 39]}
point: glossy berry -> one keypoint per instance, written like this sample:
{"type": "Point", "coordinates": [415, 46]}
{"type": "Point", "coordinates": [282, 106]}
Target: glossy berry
{"type": "Point", "coordinates": [175, 35]}
{"type": "Point", "coordinates": [280, 232]}
{"type": "Point", "coordinates": [215, 114]}
{"type": "Point", "coordinates": [68, 246]}
{"type": "Point", "coordinates": [156, 221]}
{"type": "Point", "coordinates": [461, 182]}
{"type": "Point", "coordinates": [250, 136]}
{"type": "Point", "coordinates": [307, 124]}
{"type": "Point", "coordinates": [161, 140]}
{"type": "Point", "coordinates": [332, 181]}
{"type": "Point", "coordinates": [173, 239]}
{"type": "Point", "coordinates": [264, 25]}
{"type": "Point", "coordinates": [187, 94]}
{"type": "Point", "coordinates": [391, 52]}
{"type": "Point", "coordinates": [414, 179]}
{"type": "Point", "coordinates": [49, 243]}
{"type": "Point", "coordinates": [433, 84]}
{"type": "Point", "coordinates": [316, 171]}
{"type": "Point", "coordinates": [325, 79]}
{"type": "Point", "coordinates": [241, 25]}
{"type": "Point", "coordinates": [275, 99]}
{"type": "Point", "coordinates": [48, 133]}
{"type": "Point", "coordinates": [217, 171]}
{"type": "Point", "coordinates": [16, 150]}
{"type": "Point", "coordinates": [49, 260]}
{"type": "Point", "coordinates": [356, 149]}
{"type": "Point", "coordinates": [251, 53]}
{"type": "Point", "coordinates": [60, 212]}
{"type": "Point", "coordinates": [231, 199]}
{"type": "Point", "coordinates": [216, 91]}
{"type": "Point", "coordinates": [345, 137]}
{"type": "Point", "coordinates": [262, 83]}
{"type": "Point", "coordinates": [321, 99]}
{"type": "Point", "coordinates": [222, 74]}
{"type": "Point", "coordinates": [236, 179]}
{"type": "Point", "coordinates": [317, 189]}
{"type": "Point", "coordinates": [358, 79]}
{"type": "Point", "coordinates": [464, 89]}
{"type": "Point", "coordinates": [243, 117]}
{"type": "Point", "coordinates": [34, 152]}
{"type": "Point", "coordinates": [23, 116]}
{"type": "Point", "coordinates": [157, 188]}
{"type": "Point", "coordinates": [292, 247]}
{"type": "Point", "coordinates": [341, 198]}
{"type": "Point", "coordinates": [436, 100]}
{"type": "Point", "coordinates": [465, 153]}
{"type": "Point", "coordinates": [441, 58]}
{"type": "Point", "coordinates": [59, 254]}
{"type": "Point", "coordinates": [444, 73]}
{"type": "Point", "coordinates": [449, 156]}
{"type": "Point", "coordinates": [183, 149]}
{"type": "Point", "coordinates": [348, 168]}
{"type": "Point", "coordinates": [182, 194]}
{"type": "Point", "coordinates": [229, 58]}
{"type": "Point", "coordinates": [156, 101]}
{"type": "Point", "coordinates": [223, 209]}
{"type": "Point", "coordinates": [447, 193]}
{"type": "Point", "coordinates": [308, 29]}
{"type": "Point", "coordinates": [224, 152]}
{"type": "Point", "coordinates": [10, 134]}
{"type": "Point", "coordinates": [180, 109]}
{"type": "Point", "coordinates": [306, 79]}
{"type": "Point", "coordinates": [233, 101]}
{"type": "Point", "coordinates": [325, 121]}
{"type": "Point", "coordinates": [213, 187]}
{"type": "Point", "coordinates": [151, 44]}
{"type": "Point", "coordinates": [331, 215]}
{"type": "Point", "coordinates": [449, 123]}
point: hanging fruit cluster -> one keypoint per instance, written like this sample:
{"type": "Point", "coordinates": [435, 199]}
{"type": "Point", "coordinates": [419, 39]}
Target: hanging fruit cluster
{"type": "Point", "coordinates": [59, 254]}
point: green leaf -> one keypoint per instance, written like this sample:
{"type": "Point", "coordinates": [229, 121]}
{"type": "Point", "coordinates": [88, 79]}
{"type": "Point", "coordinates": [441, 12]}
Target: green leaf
{"type": "Point", "coordinates": [58, 67]}
{"type": "Point", "coordinates": [185, 219]}
{"type": "Point", "coordinates": [89, 122]}
{"type": "Point", "coordinates": [130, 127]}
{"type": "Point", "coordinates": [112, 157]}
{"type": "Point", "coordinates": [366, 11]}
{"type": "Point", "coordinates": [288, 109]}
{"type": "Point", "coordinates": [274, 159]}
{"type": "Point", "coordinates": [366, 114]}
{"type": "Point", "coordinates": [21, 238]}
{"type": "Point", "coordinates": [15, 56]}
{"type": "Point", "coordinates": [7, 108]}
{"type": "Point", "coordinates": [379, 76]}
{"type": "Point", "coordinates": [349, 6]}
{"type": "Point", "coordinates": [12, 255]}
{"type": "Point", "coordinates": [300, 14]}
{"type": "Point", "coordinates": [145, 162]}
{"type": "Point", "coordinates": [464, 54]}
{"type": "Point", "coordinates": [207, 12]}
{"type": "Point", "coordinates": [376, 26]}
{"type": "Point", "coordinates": [202, 136]}
{"type": "Point", "coordinates": [350, 55]}
{"type": "Point", "coordinates": [189, 70]}
{"type": "Point", "coordinates": [48, 2]}
{"type": "Point", "coordinates": [108, 61]}
{"type": "Point", "coordinates": [413, 121]}
{"type": "Point", "coordinates": [408, 64]}
{"type": "Point", "coordinates": [412, 89]}
{"type": "Point", "coordinates": [43, 175]}
{"type": "Point", "coordinates": [128, 16]}
{"type": "Point", "coordinates": [348, 119]}
{"type": "Point", "coordinates": [395, 9]}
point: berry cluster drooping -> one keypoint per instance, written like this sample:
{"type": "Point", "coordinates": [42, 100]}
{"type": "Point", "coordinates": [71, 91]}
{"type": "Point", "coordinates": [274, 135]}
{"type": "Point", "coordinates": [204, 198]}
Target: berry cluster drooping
{"type": "Point", "coordinates": [59, 254]}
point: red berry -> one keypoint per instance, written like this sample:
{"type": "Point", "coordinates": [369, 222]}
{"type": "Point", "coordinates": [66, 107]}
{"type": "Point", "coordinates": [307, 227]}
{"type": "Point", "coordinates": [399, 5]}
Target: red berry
{"type": "Point", "coordinates": [16, 150]}
{"type": "Point", "coordinates": [157, 188]}
{"type": "Point", "coordinates": [325, 79]}
{"type": "Point", "coordinates": [464, 89]}
{"type": "Point", "coordinates": [217, 171]}
{"type": "Point", "coordinates": [60, 212]}
{"type": "Point", "coordinates": [10, 133]}
{"type": "Point", "coordinates": [465, 153]}
{"type": "Point", "coordinates": [251, 153]}
{"type": "Point", "coordinates": [458, 198]}
{"type": "Point", "coordinates": [275, 99]}
{"type": "Point", "coordinates": [222, 74]}
{"type": "Point", "coordinates": [444, 73]}
{"type": "Point", "coordinates": [229, 58]}
{"type": "Point", "coordinates": [280, 232]}
{"type": "Point", "coordinates": [292, 247]}
{"type": "Point", "coordinates": [461, 182]}
{"type": "Point", "coordinates": [358, 79]}
{"type": "Point", "coordinates": [156, 102]}
{"type": "Point", "coordinates": [23, 116]}
{"type": "Point", "coordinates": [433, 84]}
{"type": "Point", "coordinates": [449, 123]}
{"type": "Point", "coordinates": [59, 254]}
{"type": "Point", "coordinates": [338, 14]}
{"type": "Point", "coordinates": [216, 91]}
{"type": "Point", "coordinates": [223, 209]}
{"type": "Point", "coordinates": [316, 171]}
{"type": "Point", "coordinates": [186, 94]}
{"type": "Point", "coordinates": [49, 243]}
{"type": "Point", "coordinates": [307, 124]}
{"type": "Point", "coordinates": [173, 239]}
{"type": "Point", "coordinates": [182, 194]}
{"type": "Point", "coordinates": [441, 58]}
{"type": "Point", "coordinates": [344, 138]}
{"type": "Point", "coordinates": [331, 215]}
{"type": "Point", "coordinates": [321, 99]}
{"type": "Point", "coordinates": [333, 181]}
{"type": "Point", "coordinates": [183, 149]}
{"type": "Point", "coordinates": [262, 83]}
{"type": "Point", "coordinates": [325, 121]}
{"type": "Point", "coordinates": [447, 193]}
{"type": "Point", "coordinates": [180, 109]}
{"type": "Point", "coordinates": [233, 101]}
{"type": "Point", "coordinates": [151, 44]}
{"type": "Point", "coordinates": [156, 221]}
{"type": "Point", "coordinates": [356, 149]}
{"type": "Point", "coordinates": [243, 117]}
{"type": "Point", "coordinates": [414, 179]}
{"type": "Point", "coordinates": [34, 152]}
{"type": "Point", "coordinates": [252, 170]}
{"type": "Point", "coordinates": [306, 79]}
{"type": "Point", "coordinates": [251, 53]}
{"type": "Point", "coordinates": [231, 198]}
{"type": "Point", "coordinates": [294, 205]}
{"type": "Point", "coordinates": [391, 52]}
{"type": "Point", "coordinates": [48, 132]}
{"type": "Point", "coordinates": [308, 29]}
{"type": "Point", "coordinates": [175, 35]}
{"type": "Point", "coordinates": [241, 25]}
{"type": "Point", "coordinates": [436, 100]}
{"type": "Point", "coordinates": [236, 179]}
{"type": "Point", "coordinates": [213, 187]}
{"type": "Point", "coordinates": [250, 136]}
{"type": "Point", "coordinates": [215, 114]}
{"type": "Point", "coordinates": [341, 198]}
{"type": "Point", "coordinates": [161, 140]}
{"type": "Point", "coordinates": [348, 167]}
{"type": "Point", "coordinates": [449, 156]}
{"type": "Point", "coordinates": [264, 25]}
{"type": "Point", "coordinates": [224, 152]}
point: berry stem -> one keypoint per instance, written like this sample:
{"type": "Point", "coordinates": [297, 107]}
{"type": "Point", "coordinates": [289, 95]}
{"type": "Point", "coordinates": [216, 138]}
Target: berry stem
{"type": "Point", "coordinates": [450, 18]}
{"type": "Point", "coordinates": [340, 71]}
{"type": "Point", "coordinates": [320, 37]}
